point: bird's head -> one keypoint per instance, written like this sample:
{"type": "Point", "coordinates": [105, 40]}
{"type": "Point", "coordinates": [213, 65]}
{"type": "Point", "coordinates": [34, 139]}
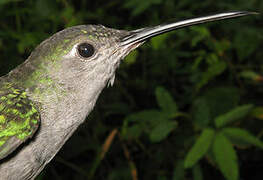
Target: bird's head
{"type": "Point", "coordinates": [83, 59]}
{"type": "Point", "coordinates": [77, 60]}
{"type": "Point", "coordinates": [85, 54]}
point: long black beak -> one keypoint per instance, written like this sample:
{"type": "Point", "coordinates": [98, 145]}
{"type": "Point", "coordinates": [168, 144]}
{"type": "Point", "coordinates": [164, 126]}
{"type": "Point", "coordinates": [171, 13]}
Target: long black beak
{"type": "Point", "coordinates": [143, 34]}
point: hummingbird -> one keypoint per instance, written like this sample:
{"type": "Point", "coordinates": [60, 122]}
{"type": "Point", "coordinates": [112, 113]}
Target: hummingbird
{"type": "Point", "coordinates": [46, 98]}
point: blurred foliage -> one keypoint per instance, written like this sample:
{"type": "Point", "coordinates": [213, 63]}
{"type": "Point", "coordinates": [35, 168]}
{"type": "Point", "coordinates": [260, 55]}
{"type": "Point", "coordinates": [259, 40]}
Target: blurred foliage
{"type": "Point", "coordinates": [186, 105]}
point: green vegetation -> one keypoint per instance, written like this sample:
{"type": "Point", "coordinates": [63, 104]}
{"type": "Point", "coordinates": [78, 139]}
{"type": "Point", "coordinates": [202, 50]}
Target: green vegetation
{"type": "Point", "coordinates": [186, 105]}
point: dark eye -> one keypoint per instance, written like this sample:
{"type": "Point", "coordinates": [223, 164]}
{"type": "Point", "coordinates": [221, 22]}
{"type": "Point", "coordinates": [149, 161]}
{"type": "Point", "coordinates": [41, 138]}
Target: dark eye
{"type": "Point", "coordinates": [85, 50]}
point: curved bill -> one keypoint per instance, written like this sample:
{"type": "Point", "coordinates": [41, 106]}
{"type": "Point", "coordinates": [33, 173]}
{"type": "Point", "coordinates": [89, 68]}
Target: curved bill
{"type": "Point", "coordinates": [143, 34]}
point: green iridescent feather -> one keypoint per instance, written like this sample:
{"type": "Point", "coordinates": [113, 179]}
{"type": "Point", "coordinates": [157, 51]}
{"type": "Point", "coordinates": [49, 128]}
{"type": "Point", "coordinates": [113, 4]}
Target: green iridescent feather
{"type": "Point", "coordinates": [19, 118]}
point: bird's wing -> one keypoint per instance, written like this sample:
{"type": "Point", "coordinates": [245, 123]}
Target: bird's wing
{"type": "Point", "coordinates": [19, 118]}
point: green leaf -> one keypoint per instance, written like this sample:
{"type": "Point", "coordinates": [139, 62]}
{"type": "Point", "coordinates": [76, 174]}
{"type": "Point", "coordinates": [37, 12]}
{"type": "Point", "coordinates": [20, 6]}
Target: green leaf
{"type": "Point", "coordinates": [202, 34]}
{"type": "Point", "coordinates": [161, 131]}
{"type": "Point", "coordinates": [208, 106]}
{"type": "Point", "coordinates": [225, 157]}
{"type": "Point", "coordinates": [200, 148]}
{"type": "Point", "coordinates": [165, 101]}
{"type": "Point", "coordinates": [242, 135]}
{"type": "Point", "coordinates": [216, 68]}
{"type": "Point", "coordinates": [235, 114]}
{"type": "Point", "coordinates": [149, 117]}
{"type": "Point", "coordinates": [249, 75]}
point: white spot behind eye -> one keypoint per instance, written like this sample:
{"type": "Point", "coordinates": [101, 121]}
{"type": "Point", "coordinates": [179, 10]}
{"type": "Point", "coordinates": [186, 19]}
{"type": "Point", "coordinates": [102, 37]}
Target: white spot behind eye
{"type": "Point", "coordinates": [73, 52]}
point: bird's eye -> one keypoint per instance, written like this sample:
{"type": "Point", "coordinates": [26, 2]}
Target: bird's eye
{"type": "Point", "coordinates": [85, 50]}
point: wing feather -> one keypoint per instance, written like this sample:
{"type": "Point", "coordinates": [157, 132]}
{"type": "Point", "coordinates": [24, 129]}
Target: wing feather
{"type": "Point", "coordinates": [19, 118]}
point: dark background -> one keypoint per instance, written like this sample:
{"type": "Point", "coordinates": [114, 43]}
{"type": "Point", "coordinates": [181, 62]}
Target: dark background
{"type": "Point", "coordinates": [199, 73]}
